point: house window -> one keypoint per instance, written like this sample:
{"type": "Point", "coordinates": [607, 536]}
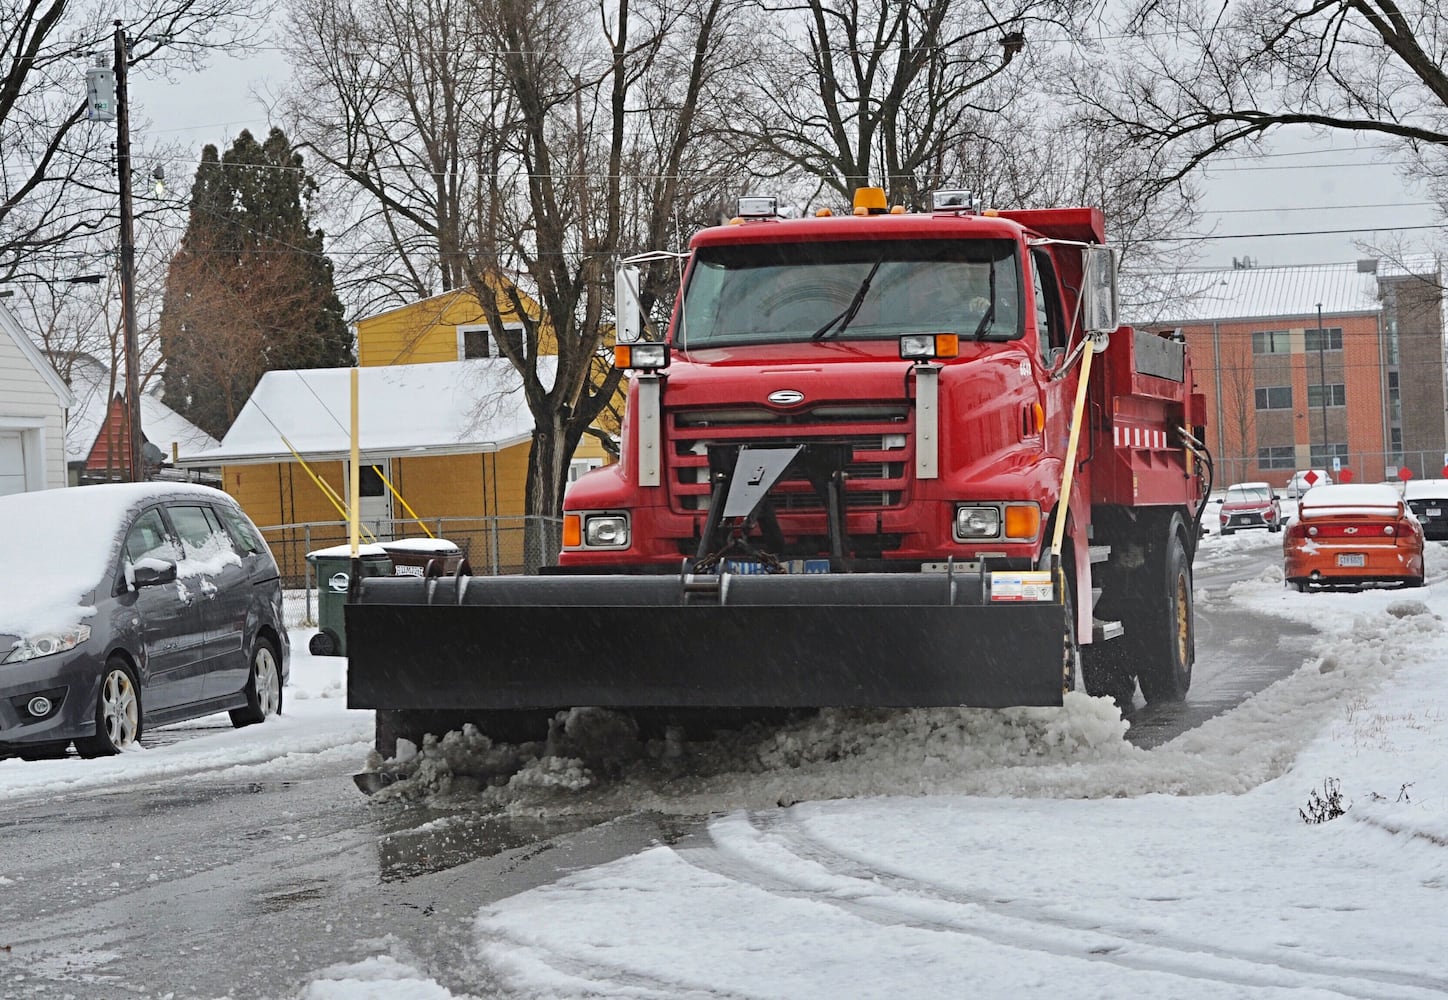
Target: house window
{"type": "Point", "coordinates": [1275, 397]}
{"type": "Point", "coordinates": [477, 340]}
{"type": "Point", "coordinates": [1271, 342]}
{"type": "Point", "coordinates": [1328, 339]}
{"type": "Point", "coordinates": [579, 466]}
{"type": "Point", "coordinates": [474, 342]}
{"type": "Point", "coordinates": [1277, 458]}
{"type": "Point", "coordinates": [1336, 395]}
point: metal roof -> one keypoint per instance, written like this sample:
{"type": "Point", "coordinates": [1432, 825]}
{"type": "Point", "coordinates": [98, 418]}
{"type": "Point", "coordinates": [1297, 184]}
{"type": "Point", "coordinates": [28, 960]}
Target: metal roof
{"type": "Point", "coordinates": [1265, 292]}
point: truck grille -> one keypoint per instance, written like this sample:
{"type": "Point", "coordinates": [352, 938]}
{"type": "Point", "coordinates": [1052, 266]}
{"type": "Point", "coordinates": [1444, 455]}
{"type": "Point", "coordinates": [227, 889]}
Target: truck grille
{"type": "Point", "coordinates": [880, 436]}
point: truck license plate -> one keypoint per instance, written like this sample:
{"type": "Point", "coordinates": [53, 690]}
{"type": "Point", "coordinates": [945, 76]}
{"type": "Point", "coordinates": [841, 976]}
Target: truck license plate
{"type": "Point", "coordinates": [1351, 560]}
{"type": "Point", "coordinates": [1435, 512]}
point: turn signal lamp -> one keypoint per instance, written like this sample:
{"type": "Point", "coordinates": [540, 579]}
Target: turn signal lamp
{"type": "Point", "coordinates": [572, 531]}
{"type": "Point", "coordinates": [641, 356]}
{"type": "Point", "coordinates": [924, 346]}
{"type": "Point", "coordinates": [1023, 521]}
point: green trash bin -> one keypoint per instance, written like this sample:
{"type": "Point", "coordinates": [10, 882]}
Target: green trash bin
{"type": "Point", "coordinates": [334, 574]}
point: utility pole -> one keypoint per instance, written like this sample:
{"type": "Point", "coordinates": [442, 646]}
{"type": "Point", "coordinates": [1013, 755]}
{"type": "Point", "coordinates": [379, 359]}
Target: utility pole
{"type": "Point", "coordinates": [128, 263]}
{"type": "Point", "coordinates": [1322, 379]}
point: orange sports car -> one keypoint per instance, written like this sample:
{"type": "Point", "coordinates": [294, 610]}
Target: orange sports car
{"type": "Point", "coordinates": [1351, 535]}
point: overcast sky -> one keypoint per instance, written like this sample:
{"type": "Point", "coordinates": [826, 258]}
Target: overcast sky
{"type": "Point", "coordinates": [1338, 191]}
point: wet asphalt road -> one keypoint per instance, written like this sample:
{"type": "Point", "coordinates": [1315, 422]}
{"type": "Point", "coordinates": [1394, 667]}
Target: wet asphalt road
{"type": "Point", "coordinates": [198, 888]}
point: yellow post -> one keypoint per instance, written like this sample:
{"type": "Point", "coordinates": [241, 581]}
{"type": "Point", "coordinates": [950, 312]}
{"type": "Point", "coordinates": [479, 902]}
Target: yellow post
{"type": "Point", "coordinates": [354, 485]}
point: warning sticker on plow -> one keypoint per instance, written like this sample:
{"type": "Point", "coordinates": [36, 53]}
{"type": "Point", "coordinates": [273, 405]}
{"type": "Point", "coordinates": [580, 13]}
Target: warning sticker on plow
{"type": "Point", "coordinates": [1032, 585]}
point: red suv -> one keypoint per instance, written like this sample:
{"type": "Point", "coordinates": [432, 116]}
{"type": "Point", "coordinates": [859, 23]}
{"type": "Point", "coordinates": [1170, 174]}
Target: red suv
{"type": "Point", "coordinates": [1251, 505]}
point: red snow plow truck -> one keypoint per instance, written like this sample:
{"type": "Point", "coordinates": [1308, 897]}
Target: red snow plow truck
{"type": "Point", "coordinates": [882, 458]}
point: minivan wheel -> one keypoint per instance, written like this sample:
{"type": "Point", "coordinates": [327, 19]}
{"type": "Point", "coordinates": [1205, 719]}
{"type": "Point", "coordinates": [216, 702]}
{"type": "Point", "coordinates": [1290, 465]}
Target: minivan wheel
{"type": "Point", "coordinates": [263, 687]}
{"type": "Point", "coordinates": [118, 712]}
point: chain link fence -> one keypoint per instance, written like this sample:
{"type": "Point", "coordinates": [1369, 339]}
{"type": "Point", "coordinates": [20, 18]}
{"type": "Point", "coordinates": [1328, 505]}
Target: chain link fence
{"type": "Point", "coordinates": [1367, 467]}
{"type": "Point", "coordinates": [491, 545]}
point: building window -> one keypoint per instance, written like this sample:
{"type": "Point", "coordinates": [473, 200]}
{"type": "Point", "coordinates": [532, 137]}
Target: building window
{"type": "Point", "coordinates": [474, 342]}
{"type": "Point", "coordinates": [1274, 397]}
{"type": "Point", "coordinates": [1277, 458]}
{"type": "Point", "coordinates": [579, 466]}
{"type": "Point", "coordinates": [477, 340]}
{"type": "Point", "coordinates": [1328, 339]}
{"type": "Point", "coordinates": [1321, 456]}
{"type": "Point", "coordinates": [1271, 342]}
{"type": "Point", "coordinates": [1336, 395]}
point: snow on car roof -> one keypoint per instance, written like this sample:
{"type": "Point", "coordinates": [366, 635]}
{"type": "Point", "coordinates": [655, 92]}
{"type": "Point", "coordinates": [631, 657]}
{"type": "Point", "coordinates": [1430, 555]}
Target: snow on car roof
{"type": "Point", "coordinates": [56, 545]}
{"type": "Point", "coordinates": [1424, 489]}
{"type": "Point", "coordinates": [1340, 497]}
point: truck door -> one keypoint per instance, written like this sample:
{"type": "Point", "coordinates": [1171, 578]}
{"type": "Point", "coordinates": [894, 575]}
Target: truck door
{"type": "Point", "coordinates": [1052, 337]}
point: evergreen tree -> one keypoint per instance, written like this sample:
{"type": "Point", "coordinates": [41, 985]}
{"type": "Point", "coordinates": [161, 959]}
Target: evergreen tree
{"type": "Point", "coordinates": [250, 289]}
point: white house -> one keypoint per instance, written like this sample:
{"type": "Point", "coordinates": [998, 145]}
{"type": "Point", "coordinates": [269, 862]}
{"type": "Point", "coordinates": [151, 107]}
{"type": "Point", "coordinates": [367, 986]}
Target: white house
{"type": "Point", "coordinates": [33, 402]}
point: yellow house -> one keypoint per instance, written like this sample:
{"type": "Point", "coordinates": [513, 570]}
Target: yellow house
{"type": "Point", "coordinates": [444, 437]}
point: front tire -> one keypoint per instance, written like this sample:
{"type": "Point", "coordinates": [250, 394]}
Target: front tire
{"type": "Point", "coordinates": [1166, 666]}
{"type": "Point", "coordinates": [263, 687]}
{"type": "Point", "coordinates": [118, 713]}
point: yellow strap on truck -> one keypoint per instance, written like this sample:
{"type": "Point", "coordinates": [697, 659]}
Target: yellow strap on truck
{"type": "Point", "coordinates": [1078, 409]}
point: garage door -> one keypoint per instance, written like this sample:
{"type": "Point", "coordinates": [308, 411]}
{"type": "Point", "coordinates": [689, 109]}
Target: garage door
{"type": "Point", "coordinates": [12, 463]}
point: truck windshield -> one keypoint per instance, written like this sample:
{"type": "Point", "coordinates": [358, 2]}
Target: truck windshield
{"type": "Point", "coordinates": [788, 292]}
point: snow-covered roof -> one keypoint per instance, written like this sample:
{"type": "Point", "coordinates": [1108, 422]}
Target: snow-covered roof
{"type": "Point", "coordinates": [447, 408]}
{"type": "Point", "coordinates": [1266, 292]}
{"type": "Point", "coordinates": [90, 382]}
{"type": "Point", "coordinates": [10, 326]}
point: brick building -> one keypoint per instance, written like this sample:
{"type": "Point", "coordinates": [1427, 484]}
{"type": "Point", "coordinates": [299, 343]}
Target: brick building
{"type": "Point", "coordinates": [1324, 366]}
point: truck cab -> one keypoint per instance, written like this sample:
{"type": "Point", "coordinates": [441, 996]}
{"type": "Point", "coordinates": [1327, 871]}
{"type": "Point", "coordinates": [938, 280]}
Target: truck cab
{"type": "Point", "coordinates": [919, 361]}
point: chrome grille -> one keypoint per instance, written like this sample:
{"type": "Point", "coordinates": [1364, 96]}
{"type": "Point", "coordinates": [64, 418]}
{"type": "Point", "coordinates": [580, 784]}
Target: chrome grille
{"type": "Point", "coordinates": [880, 437]}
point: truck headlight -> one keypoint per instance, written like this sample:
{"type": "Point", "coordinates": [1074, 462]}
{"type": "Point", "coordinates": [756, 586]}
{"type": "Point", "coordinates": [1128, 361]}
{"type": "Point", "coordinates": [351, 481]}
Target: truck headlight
{"type": "Point", "coordinates": [605, 531]}
{"type": "Point", "coordinates": [641, 356]}
{"type": "Point", "coordinates": [1013, 521]}
{"type": "Point", "coordinates": [977, 522]}
{"type": "Point", "coordinates": [47, 643]}
{"type": "Point", "coordinates": [924, 346]}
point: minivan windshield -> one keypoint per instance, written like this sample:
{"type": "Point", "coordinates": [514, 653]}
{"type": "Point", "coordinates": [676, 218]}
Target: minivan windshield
{"type": "Point", "coordinates": [797, 292]}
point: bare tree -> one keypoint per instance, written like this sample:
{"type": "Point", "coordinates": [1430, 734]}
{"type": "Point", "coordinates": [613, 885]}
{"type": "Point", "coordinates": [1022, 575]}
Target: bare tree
{"type": "Point", "coordinates": [56, 186]}
{"type": "Point", "coordinates": [863, 92]}
{"type": "Point", "coordinates": [519, 147]}
{"type": "Point", "coordinates": [605, 115]}
{"type": "Point", "coordinates": [1199, 78]}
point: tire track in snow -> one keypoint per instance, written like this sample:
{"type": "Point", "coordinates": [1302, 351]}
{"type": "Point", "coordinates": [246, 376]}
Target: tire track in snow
{"type": "Point", "coordinates": [784, 859]}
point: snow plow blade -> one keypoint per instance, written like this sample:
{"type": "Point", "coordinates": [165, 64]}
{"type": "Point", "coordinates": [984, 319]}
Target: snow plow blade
{"type": "Point", "coordinates": [735, 641]}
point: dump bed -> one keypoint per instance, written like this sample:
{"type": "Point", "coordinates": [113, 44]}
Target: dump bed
{"type": "Point", "coordinates": [1141, 394]}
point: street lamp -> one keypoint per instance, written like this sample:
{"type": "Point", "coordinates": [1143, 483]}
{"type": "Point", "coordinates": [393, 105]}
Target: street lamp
{"type": "Point", "coordinates": [1322, 379]}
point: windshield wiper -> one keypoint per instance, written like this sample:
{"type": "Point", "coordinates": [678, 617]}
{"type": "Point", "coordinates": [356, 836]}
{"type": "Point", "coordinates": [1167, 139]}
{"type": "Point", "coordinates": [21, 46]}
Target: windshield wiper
{"type": "Point", "coordinates": [851, 310]}
{"type": "Point", "coordinates": [989, 317]}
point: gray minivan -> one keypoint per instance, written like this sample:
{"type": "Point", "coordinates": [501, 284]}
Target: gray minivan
{"type": "Point", "coordinates": [131, 605]}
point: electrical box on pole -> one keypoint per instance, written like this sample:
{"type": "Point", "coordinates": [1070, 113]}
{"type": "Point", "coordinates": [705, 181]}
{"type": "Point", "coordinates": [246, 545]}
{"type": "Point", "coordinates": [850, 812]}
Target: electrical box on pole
{"type": "Point", "coordinates": [100, 92]}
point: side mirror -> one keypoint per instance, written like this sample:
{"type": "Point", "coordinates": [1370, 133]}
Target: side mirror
{"type": "Point", "coordinates": [152, 572]}
{"type": "Point", "coordinates": [1098, 289]}
{"type": "Point", "coordinates": [627, 310]}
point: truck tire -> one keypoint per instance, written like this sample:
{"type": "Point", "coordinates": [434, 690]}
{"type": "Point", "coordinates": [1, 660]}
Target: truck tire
{"type": "Point", "coordinates": [1165, 643]}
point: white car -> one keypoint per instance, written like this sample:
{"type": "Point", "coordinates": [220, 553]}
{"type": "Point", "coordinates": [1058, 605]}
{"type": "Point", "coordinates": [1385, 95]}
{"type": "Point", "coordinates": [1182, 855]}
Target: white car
{"type": "Point", "coordinates": [1298, 484]}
